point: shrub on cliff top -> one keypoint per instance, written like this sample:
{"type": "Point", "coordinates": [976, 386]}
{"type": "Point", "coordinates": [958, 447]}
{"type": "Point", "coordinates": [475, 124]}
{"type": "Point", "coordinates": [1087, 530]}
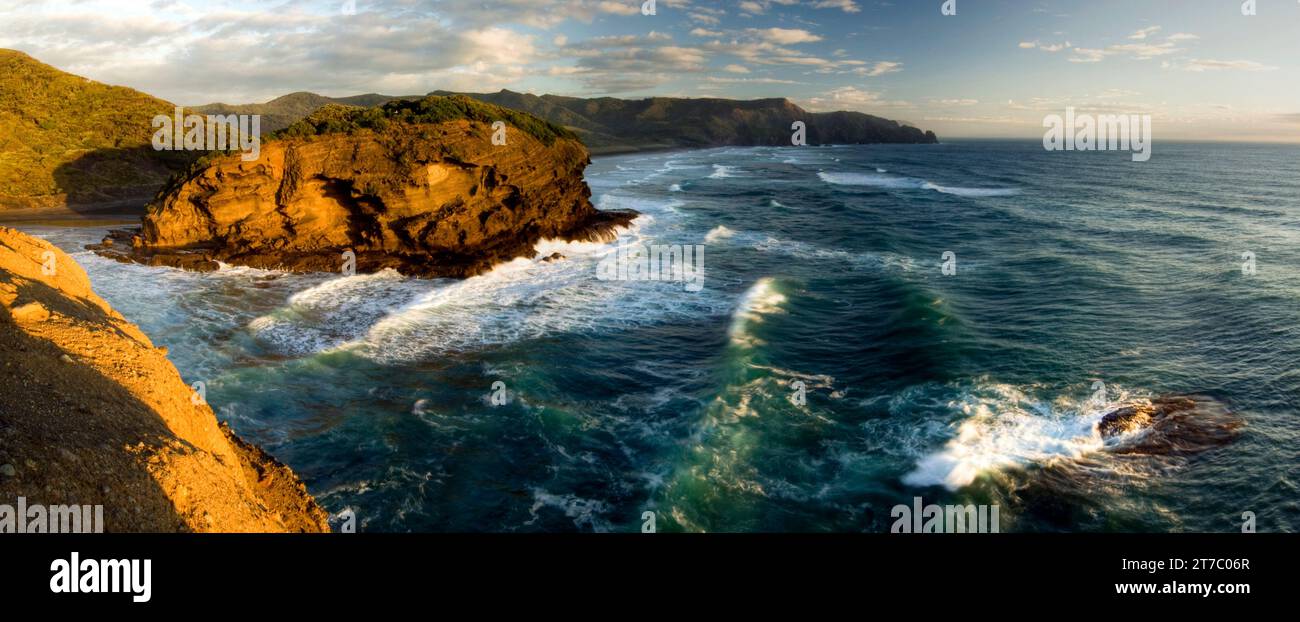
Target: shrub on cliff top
{"type": "Point", "coordinates": [335, 118]}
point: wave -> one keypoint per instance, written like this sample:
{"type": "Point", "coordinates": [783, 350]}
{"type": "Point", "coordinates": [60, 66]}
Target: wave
{"type": "Point", "coordinates": [1003, 427]}
{"type": "Point", "coordinates": [722, 171]}
{"type": "Point", "coordinates": [529, 299]}
{"type": "Point", "coordinates": [333, 313]}
{"type": "Point", "coordinates": [720, 232]}
{"type": "Point", "coordinates": [763, 298]}
{"type": "Point", "coordinates": [971, 192]}
{"type": "Point", "coordinates": [803, 250]}
{"type": "Point", "coordinates": [898, 182]}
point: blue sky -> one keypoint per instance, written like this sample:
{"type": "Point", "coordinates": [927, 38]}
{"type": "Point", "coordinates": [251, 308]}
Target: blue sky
{"type": "Point", "coordinates": [996, 68]}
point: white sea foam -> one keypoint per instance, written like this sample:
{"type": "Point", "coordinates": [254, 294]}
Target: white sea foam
{"type": "Point", "coordinates": [971, 192]}
{"type": "Point", "coordinates": [529, 298]}
{"type": "Point", "coordinates": [763, 298]}
{"type": "Point", "coordinates": [583, 512]}
{"type": "Point", "coordinates": [1003, 427]}
{"type": "Point", "coordinates": [722, 171]}
{"type": "Point", "coordinates": [898, 182]}
{"type": "Point", "coordinates": [874, 180]}
{"type": "Point", "coordinates": [335, 312]}
{"type": "Point", "coordinates": [720, 232]}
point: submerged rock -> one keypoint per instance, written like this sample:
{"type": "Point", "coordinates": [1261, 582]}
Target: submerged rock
{"type": "Point", "coordinates": [419, 186]}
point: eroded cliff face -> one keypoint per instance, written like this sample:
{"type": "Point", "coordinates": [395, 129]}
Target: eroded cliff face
{"type": "Point", "coordinates": [91, 413]}
{"type": "Point", "coordinates": [428, 199]}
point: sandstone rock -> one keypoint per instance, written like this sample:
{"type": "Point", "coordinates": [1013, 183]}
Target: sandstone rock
{"type": "Point", "coordinates": [138, 434]}
{"type": "Point", "coordinates": [30, 312]}
{"type": "Point", "coordinates": [425, 198]}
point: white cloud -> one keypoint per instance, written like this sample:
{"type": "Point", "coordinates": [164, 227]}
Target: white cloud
{"type": "Point", "coordinates": [1144, 33]}
{"type": "Point", "coordinates": [1198, 64]}
{"type": "Point", "coordinates": [786, 36]}
{"type": "Point", "coordinates": [850, 98]}
{"type": "Point", "coordinates": [848, 6]}
{"type": "Point", "coordinates": [879, 69]}
{"type": "Point", "coordinates": [1046, 47]}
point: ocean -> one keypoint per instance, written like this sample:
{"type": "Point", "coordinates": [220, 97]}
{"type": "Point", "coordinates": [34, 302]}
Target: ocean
{"type": "Point", "coordinates": [876, 323]}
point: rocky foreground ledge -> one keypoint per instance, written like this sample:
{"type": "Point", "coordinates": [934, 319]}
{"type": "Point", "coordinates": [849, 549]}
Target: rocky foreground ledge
{"type": "Point", "coordinates": [91, 413]}
{"type": "Point", "coordinates": [418, 186]}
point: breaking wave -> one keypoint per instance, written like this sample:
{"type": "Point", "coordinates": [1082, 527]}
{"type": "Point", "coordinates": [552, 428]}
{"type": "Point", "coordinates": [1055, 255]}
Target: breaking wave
{"type": "Point", "coordinates": [897, 182]}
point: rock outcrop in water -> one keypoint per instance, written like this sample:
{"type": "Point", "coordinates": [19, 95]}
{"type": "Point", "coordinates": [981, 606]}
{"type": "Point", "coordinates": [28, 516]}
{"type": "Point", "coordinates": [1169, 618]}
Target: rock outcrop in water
{"type": "Point", "coordinates": [1170, 425]}
{"type": "Point", "coordinates": [91, 413]}
{"type": "Point", "coordinates": [415, 186]}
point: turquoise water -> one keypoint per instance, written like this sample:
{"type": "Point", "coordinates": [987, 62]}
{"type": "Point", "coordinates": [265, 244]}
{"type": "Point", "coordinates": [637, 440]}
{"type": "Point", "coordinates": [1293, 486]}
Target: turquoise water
{"type": "Point", "coordinates": [823, 266]}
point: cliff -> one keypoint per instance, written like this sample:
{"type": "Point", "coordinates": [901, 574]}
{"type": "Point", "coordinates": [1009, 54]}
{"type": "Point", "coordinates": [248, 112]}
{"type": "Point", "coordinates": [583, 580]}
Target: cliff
{"type": "Point", "coordinates": [92, 413]}
{"type": "Point", "coordinates": [612, 125]}
{"type": "Point", "coordinates": [69, 141]}
{"type": "Point", "coordinates": [418, 186]}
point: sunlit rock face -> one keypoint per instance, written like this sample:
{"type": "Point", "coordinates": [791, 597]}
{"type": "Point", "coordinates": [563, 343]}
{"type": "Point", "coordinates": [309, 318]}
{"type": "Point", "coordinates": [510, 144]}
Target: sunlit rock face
{"type": "Point", "coordinates": [427, 199]}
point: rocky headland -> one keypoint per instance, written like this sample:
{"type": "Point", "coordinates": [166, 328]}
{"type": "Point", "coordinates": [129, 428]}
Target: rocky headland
{"type": "Point", "coordinates": [611, 125]}
{"type": "Point", "coordinates": [417, 186]}
{"type": "Point", "coordinates": [92, 413]}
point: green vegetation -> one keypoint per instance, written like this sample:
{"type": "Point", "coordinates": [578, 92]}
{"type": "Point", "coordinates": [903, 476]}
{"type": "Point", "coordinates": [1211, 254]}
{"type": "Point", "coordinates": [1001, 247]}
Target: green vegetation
{"type": "Point", "coordinates": [62, 134]}
{"type": "Point", "coordinates": [604, 124]}
{"type": "Point", "coordinates": [335, 118]}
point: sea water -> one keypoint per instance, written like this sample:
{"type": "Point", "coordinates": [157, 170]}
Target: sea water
{"type": "Point", "coordinates": [876, 323]}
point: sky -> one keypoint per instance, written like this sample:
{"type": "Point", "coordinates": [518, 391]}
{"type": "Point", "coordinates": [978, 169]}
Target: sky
{"type": "Point", "coordinates": [1200, 68]}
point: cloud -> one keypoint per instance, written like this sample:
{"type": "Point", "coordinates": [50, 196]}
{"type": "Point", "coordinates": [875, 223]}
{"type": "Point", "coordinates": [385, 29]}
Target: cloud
{"type": "Point", "coordinates": [619, 8]}
{"type": "Point", "coordinates": [1198, 64]}
{"type": "Point", "coordinates": [1137, 51]}
{"type": "Point", "coordinates": [879, 69]}
{"type": "Point", "coordinates": [1144, 33]}
{"type": "Point", "coordinates": [1046, 47]}
{"type": "Point", "coordinates": [848, 6]}
{"type": "Point", "coordinates": [786, 36]}
{"type": "Point", "coordinates": [626, 63]}
{"type": "Point", "coordinates": [715, 79]}
{"type": "Point", "coordinates": [850, 98]}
